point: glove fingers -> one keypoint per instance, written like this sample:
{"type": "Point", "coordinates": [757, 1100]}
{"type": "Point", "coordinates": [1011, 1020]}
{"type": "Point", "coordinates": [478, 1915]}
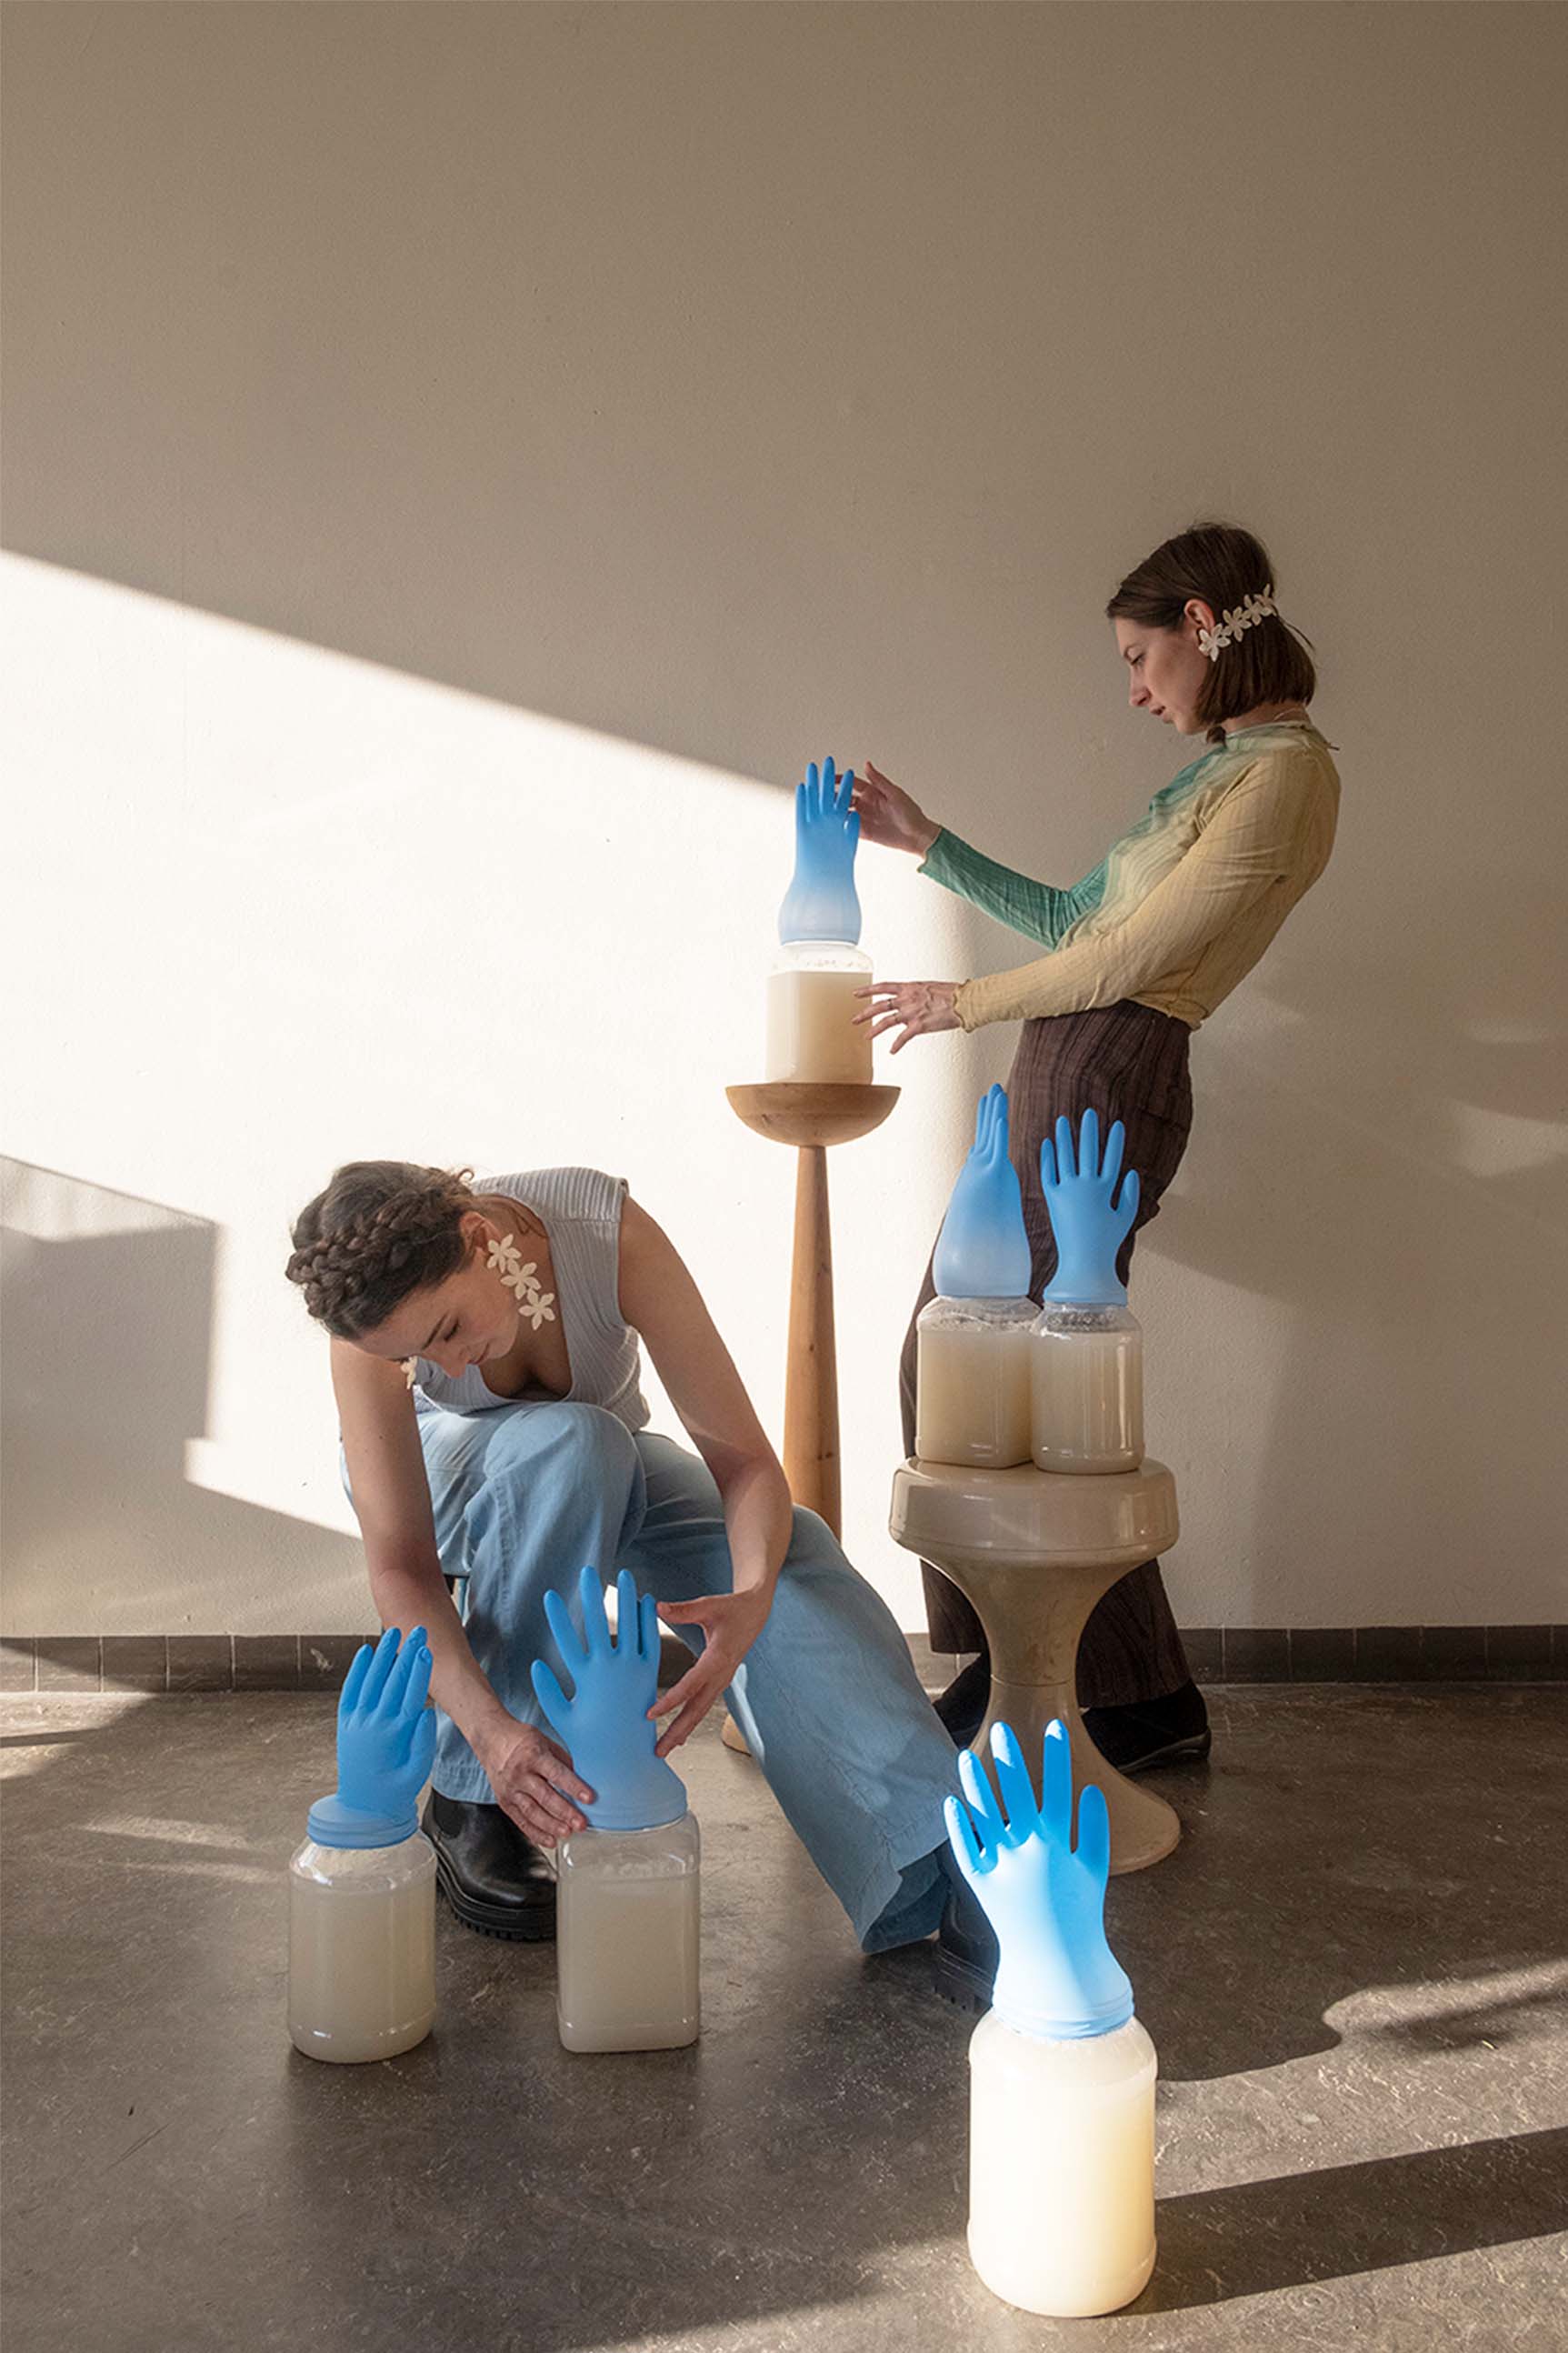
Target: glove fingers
{"type": "Point", "coordinates": [1089, 1143]}
{"type": "Point", "coordinates": [986, 1125]}
{"type": "Point", "coordinates": [1066, 1159]}
{"type": "Point", "coordinates": [1094, 1833]}
{"type": "Point", "coordinates": [395, 1691]}
{"type": "Point", "coordinates": [547, 1690]}
{"type": "Point", "coordinates": [846, 798]}
{"type": "Point", "coordinates": [381, 1664]}
{"type": "Point", "coordinates": [573, 1657]}
{"type": "Point", "coordinates": [1114, 1143]}
{"type": "Point", "coordinates": [960, 1838]}
{"type": "Point", "coordinates": [416, 1687]}
{"type": "Point", "coordinates": [422, 1750]}
{"type": "Point", "coordinates": [1048, 1179]}
{"type": "Point", "coordinates": [1018, 1790]}
{"type": "Point", "coordinates": [596, 1622]}
{"type": "Point", "coordinates": [1127, 1206]}
{"type": "Point", "coordinates": [981, 1796]}
{"type": "Point", "coordinates": [648, 1622]}
{"type": "Point", "coordinates": [1055, 1785]}
{"type": "Point", "coordinates": [353, 1682]}
{"type": "Point", "coordinates": [629, 1617]}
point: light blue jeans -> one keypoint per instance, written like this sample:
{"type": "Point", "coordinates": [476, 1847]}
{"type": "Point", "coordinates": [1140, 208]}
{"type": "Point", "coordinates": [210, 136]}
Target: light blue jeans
{"type": "Point", "coordinates": [827, 1696]}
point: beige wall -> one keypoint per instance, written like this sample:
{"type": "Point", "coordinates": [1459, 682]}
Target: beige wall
{"type": "Point", "coordinates": [460, 463]}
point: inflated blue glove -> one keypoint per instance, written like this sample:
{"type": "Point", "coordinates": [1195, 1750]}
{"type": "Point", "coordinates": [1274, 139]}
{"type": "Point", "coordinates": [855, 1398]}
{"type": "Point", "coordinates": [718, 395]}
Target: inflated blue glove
{"type": "Point", "coordinates": [604, 1724]}
{"type": "Point", "coordinates": [821, 901]}
{"type": "Point", "coordinates": [387, 1740]}
{"type": "Point", "coordinates": [1088, 1225]}
{"type": "Point", "coordinates": [1056, 1978]}
{"type": "Point", "coordinates": [982, 1250]}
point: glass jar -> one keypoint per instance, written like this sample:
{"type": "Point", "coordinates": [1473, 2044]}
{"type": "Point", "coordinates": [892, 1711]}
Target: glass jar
{"type": "Point", "coordinates": [362, 1948]}
{"type": "Point", "coordinates": [628, 1927]}
{"type": "Point", "coordinates": [812, 1006]}
{"type": "Point", "coordinates": [1061, 2167]}
{"type": "Point", "coordinates": [1087, 1384]}
{"type": "Point", "coordinates": [972, 1382]}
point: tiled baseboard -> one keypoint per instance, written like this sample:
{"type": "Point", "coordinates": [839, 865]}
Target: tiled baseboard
{"type": "Point", "coordinates": [1236, 1654]}
{"type": "Point", "coordinates": [1376, 1654]}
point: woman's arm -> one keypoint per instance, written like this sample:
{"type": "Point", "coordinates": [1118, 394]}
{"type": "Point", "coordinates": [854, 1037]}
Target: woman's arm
{"type": "Point", "coordinates": [1039, 910]}
{"type": "Point", "coordinates": [659, 1299]}
{"type": "Point", "coordinates": [891, 816]}
{"type": "Point", "coordinates": [1264, 833]}
{"type": "Point", "coordinates": [392, 1500]}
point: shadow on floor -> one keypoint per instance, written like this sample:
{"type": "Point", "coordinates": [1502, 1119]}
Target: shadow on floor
{"type": "Point", "coordinates": [799, 2178]}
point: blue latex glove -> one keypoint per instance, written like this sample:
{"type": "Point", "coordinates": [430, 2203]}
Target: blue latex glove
{"type": "Point", "coordinates": [1056, 1978]}
{"type": "Point", "coordinates": [387, 1740]}
{"type": "Point", "coordinates": [982, 1250]}
{"type": "Point", "coordinates": [604, 1724]}
{"type": "Point", "coordinates": [821, 901]}
{"type": "Point", "coordinates": [1088, 1227]}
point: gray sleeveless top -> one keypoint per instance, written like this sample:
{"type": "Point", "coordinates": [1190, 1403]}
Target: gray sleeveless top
{"type": "Point", "coordinates": [579, 1209]}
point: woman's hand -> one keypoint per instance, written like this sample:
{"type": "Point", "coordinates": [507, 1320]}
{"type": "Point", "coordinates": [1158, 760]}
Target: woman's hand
{"type": "Point", "coordinates": [531, 1779]}
{"type": "Point", "coordinates": [889, 817]}
{"type": "Point", "coordinates": [919, 1007]}
{"type": "Point", "coordinates": [731, 1623]}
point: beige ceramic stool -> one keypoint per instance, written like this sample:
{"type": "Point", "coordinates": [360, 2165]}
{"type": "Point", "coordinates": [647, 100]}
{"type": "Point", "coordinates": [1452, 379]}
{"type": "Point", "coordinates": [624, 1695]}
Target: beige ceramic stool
{"type": "Point", "coordinates": [1034, 1551]}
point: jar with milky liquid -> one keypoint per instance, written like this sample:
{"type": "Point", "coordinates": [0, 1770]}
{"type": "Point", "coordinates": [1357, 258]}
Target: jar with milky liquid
{"type": "Point", "coordinates": [1061, 2167]}
{"type": "Point", "coordinates": [812, 1005]}
{"type": "Point", "coordinates": [628, 1931]}
{"type": "Point", "coordinates": [362, 1948]}
{"type": "Point", "coordinates": [1087, 1388]}
{"type": "Point", "coordinates": [972, 1382]}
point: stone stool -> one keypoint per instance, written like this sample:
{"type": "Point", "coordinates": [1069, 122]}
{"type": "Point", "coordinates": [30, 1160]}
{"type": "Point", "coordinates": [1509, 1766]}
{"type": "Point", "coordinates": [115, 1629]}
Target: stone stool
{"type": "Point", "coordinates": [1034, 1551]}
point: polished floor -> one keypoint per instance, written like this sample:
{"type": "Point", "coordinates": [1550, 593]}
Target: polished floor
{"type": "Point", "coordinates": [1353, 1968]}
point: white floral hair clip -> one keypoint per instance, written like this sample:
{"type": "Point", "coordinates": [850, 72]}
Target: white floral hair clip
{"type": "Point", "coordinates": [1243, 617]}
{"type": "Point", "coordinates": [505, 1260]}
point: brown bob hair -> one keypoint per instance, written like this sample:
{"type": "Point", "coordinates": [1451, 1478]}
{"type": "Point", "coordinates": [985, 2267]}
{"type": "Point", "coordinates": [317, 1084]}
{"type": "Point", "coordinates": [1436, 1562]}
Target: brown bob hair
{"type": "Point", "coordinates": [1222, 565]}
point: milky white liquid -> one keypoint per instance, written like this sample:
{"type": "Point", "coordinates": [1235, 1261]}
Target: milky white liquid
{"type": "Point", "coordinates": [627, 1960]}
{"type": "Point", "coordinates": [812, 1035]}
{"type": "Point", "coordinates": [1088, 1400]}
{"type": "Point", "coordinates": [972, 1395]}
{"type": "Point", "coordinates": [362, 1950]}
{"type": "Point", "coordinates": [1061, 2168]}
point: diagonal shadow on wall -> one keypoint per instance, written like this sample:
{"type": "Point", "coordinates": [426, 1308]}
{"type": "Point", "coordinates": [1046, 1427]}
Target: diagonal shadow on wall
{"type": "Point", "coordinates": [107, 1303]}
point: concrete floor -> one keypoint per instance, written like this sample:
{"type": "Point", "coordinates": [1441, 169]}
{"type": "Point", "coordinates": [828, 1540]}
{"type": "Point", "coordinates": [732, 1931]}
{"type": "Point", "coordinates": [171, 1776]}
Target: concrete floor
{"type": "Point", "coordinates": [1352, 1968]}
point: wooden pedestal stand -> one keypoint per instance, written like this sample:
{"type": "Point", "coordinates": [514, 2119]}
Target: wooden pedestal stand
{"type": "Point", "coordinates": [811, 1118]}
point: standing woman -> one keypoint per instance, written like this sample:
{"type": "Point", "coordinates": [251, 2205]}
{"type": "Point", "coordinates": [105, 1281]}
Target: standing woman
{"type": "Point", "coordinates": [1139, 953]}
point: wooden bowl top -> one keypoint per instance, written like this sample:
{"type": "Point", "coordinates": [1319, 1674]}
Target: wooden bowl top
{"type": "Point", "coordinates": [801, 1114]}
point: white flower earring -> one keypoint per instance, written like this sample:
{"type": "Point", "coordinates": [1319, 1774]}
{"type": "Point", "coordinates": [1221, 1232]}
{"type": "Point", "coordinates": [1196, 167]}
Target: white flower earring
{"type": "Point", "coordinates": [1239, 618]}
{"type": "Point", "coordinates": [505, 1258]}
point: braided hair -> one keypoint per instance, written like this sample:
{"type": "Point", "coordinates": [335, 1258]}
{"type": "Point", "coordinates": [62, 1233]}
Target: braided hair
{"type": "Point", "coordinates": [382, 1229]}
{"type": "Point", "coordinates": [1223, 566]}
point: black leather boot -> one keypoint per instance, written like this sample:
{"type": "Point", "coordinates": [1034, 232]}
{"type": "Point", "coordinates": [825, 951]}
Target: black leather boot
{"type": "Point", "coordinates": [964, 1969]}
{"type": "Point", "coordinates": [494, 1878]}
{"type": "Point", "coordinates": [962, 1705]}
{"type": "Point", "coordinates": [1153, 1731]}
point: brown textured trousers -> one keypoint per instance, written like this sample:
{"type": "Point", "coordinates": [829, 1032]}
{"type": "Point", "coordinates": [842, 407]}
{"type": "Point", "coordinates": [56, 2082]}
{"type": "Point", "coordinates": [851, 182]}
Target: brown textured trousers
{"type": "Point", "coordinates": [1129, 1063]}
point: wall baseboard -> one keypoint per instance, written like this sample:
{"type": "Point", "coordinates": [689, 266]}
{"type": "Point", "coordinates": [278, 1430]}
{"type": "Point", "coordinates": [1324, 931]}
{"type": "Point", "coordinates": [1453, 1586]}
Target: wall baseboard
{"type": "Point", "coordinates": [1236, 1654]}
